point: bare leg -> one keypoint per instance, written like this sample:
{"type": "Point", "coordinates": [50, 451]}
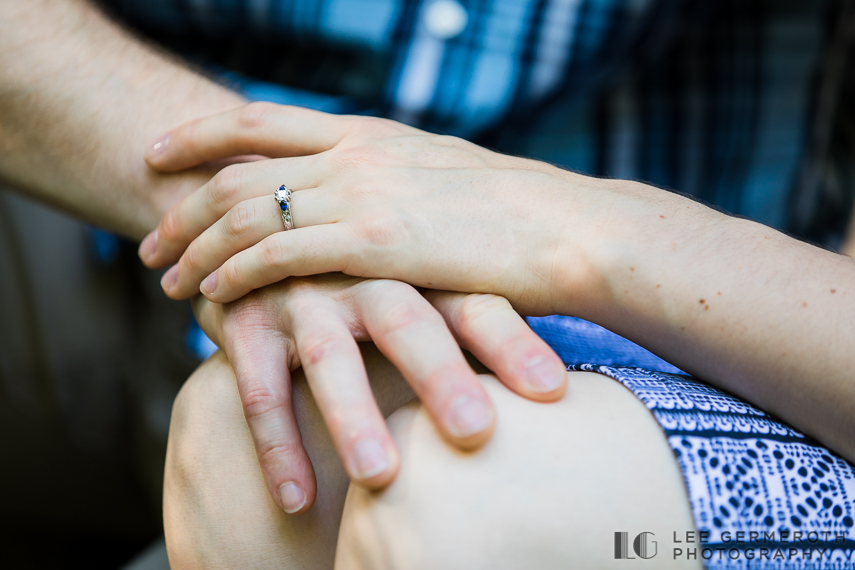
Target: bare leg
{"type": "Point", "coordinates": [217, 511]}
{"type": "Point", "coordinates": [549, 490]}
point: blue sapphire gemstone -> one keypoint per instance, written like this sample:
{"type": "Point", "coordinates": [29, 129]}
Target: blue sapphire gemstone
{"type": "Point", "coordinates": [283, 206]}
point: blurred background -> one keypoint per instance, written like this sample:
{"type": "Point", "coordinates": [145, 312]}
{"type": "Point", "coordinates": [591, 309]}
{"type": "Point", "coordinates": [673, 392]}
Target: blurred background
{"type": "Point", "coordinates": [748, 105]}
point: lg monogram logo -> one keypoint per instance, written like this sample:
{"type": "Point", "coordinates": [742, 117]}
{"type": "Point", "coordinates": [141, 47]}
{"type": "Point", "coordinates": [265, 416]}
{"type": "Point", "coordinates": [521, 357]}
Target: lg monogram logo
{"type": "Point", "coordinates": [643, 546]}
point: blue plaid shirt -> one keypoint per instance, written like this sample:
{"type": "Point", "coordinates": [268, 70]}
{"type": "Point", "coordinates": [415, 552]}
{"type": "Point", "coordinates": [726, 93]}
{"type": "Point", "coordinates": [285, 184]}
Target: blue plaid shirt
{"type": "Point", "coordinates": [715, 98]}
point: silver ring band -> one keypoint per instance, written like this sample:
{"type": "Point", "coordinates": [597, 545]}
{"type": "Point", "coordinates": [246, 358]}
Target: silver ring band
{"type": "Point", "coordinates": [283, 198]}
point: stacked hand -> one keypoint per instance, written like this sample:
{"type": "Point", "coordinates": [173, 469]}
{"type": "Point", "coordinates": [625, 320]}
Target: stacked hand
{"type": "Point", "coordinates": [372, 198]}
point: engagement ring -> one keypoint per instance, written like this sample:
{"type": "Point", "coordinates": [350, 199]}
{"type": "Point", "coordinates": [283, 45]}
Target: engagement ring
{"type": "Point", "coordinates": [283, 197]}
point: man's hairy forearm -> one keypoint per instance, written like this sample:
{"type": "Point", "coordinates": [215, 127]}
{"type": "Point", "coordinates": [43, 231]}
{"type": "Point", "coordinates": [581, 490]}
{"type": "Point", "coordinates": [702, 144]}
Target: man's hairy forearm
{"type": "Point", "coordinates": [79, 100]}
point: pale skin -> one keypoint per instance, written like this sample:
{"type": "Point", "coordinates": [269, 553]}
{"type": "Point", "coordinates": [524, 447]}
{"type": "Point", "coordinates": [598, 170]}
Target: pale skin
{"type": "Point", "coordinates": [742, 306]}
{"type": "Point", "coordinates": [79, 100]}
{"type": "Point", "coordinates": [548, 491]}
{"type": "Point", "coordinates": [315, 322]}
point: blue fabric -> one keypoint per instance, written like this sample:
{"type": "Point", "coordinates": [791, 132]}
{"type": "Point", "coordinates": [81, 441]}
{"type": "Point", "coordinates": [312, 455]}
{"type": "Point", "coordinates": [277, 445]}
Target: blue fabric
{"type": "Point", "coordinates": [578, 341]}
{"type": "Point", "coordinates": [708, 97]}
{"type": "Point", "coordinates": [767, 496]}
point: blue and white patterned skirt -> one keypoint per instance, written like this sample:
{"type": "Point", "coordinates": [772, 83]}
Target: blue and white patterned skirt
{"type": "Point", "coordinates": [766, 495]}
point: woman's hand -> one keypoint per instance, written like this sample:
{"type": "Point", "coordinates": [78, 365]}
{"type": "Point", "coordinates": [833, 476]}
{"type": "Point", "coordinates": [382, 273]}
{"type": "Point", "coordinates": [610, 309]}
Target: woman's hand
{"type": "Point", "coordinates": [316, 322]}
{"type": "Point", "coordinates": [371, 198]}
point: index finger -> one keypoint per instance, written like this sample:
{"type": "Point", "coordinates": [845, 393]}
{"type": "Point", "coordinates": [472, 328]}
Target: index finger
{"type": "Point", "coordinates": [259, 128]}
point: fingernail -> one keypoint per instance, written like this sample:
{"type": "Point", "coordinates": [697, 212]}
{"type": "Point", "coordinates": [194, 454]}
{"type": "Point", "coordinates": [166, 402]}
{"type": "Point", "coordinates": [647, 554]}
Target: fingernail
{"type": "Point", "coordinates": [292, 497]}
{"type": "Point", "coordinates": [542, 375]}
{"type": "Point", "coordinates": [169, 278]}
{"type": "Point", "coordinates": [159, 146]}
{"type": "Point", "coordinates": [148, 246]}
{"type": "Point", "coordinates": [209, 285]}
{"type": "Point", "coordinates": [369, 458]}
{"type": "Point", "coordinates": [469, 416]}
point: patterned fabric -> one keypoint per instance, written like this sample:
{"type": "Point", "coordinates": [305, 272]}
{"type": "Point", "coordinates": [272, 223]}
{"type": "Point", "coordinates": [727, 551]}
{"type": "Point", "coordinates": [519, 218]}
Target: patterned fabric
{"type": "Point", "coordinates": [747, 474]}
{"type": "Point", "coordinates": [714, 98]}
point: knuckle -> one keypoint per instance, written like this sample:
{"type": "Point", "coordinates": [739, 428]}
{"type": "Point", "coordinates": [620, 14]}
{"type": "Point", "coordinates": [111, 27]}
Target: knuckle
{"type": "Point", "coordinates": [363, 191]}
{"type": "Point", "coordinates": [252, 318]}
{"type": "Point", "coordinates": [360, 156]}
{"type": "Point", "coordinates": [261, 401]}
{"type": "Point", "coordinates": [315, 347]}
{"type": "Point", "coordinates": [185, 137]}
{"type": "Point", "coordinates": [241, 219]}
{"type": "Point", "coordinates": [229, 273]}
{"type": "Point", "coordinates": [403, 315]}
{"type": "Point", "coordinates": [254, 115]}
{"type": "Point", "coordinates": [225, 185]}
{"type": "Point", "coordinates": [475, 306]}
{"type": "Point", "coordinates": [270, 454]}
{"type": "Point", "coordinates": [272, 252]}
{"type": "Point", "coordinates": [518, 347]}
{"type": "Point", "coordinates": [304, 291]}
{"type": "Point", "coordinates": [375, 126]}
{"type": "Point", "coordinates": [357, 124]}
{"type": "Point", "coordinates": [380, 231]}
{"type": "Point", "coordinates": [171, 226]}
{"type": "Point", "coordinates": [191, 259]}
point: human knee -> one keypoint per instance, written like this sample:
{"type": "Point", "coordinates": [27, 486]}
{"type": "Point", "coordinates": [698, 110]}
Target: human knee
{"type": "Point", "coordinates": [207, 395]}
{"type": "Point", "coordinates": [207, 403]}
{"type": "Point", "coordinates": [218, 512]}
{"type": "Point", "coordinates": [549, 490]}
{"type": "Point", "coordinates": [207, 399]}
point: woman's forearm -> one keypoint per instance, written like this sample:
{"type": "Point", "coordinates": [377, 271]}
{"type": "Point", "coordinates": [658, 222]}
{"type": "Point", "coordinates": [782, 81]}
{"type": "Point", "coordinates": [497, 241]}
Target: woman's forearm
{"type": "Point", "coordinates": [734, 302]}
{"type": "Point", "coordinates": [79, 100]}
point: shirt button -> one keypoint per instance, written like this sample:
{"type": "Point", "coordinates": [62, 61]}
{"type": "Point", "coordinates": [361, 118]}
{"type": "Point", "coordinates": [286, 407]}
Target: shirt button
{"type": "Point", "coordinates": [445, 19]}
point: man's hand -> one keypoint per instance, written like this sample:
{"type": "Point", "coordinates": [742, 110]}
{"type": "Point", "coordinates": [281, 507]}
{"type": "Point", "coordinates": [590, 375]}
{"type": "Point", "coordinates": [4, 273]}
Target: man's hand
{"type": "Point", "coordinates": [315, 323]}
